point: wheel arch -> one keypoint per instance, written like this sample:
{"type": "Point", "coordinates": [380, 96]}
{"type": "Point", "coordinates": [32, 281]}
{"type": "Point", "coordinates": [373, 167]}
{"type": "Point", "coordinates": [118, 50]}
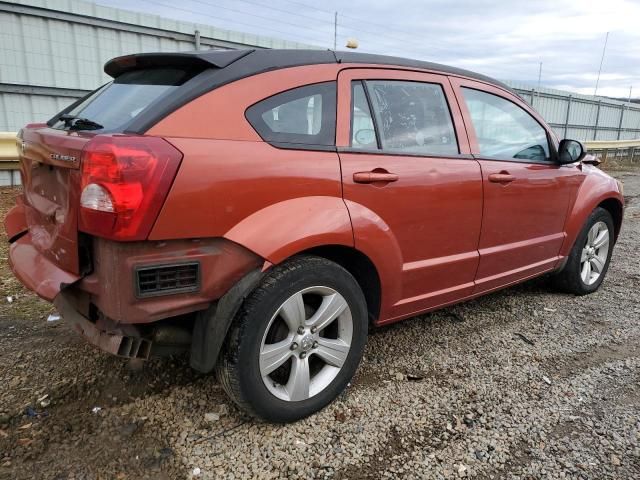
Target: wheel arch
{"type": "Point", "coordinates": [361, 267]}
{"type": "Point", "coordinates": [598, 190]}
{"type": "Point", "coordinates": [281, 230]}
{"type": "Point", "coordinates": [615, 208]}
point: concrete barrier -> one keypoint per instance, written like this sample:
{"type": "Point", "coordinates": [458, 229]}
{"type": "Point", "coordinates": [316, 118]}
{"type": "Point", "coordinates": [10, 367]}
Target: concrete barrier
{"type": "Point", "coordinates": [620, 150]}
{"type": "Point", "coordinates": [9, 168]}
{"type": "Point", "coordinates": [627, 151]}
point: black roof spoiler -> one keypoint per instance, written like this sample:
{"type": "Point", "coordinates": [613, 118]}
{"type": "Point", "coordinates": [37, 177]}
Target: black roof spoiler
{"type": "Point", "coordinates": [198, 59]}
{"type": "Point", "coordinates": [267, 59]}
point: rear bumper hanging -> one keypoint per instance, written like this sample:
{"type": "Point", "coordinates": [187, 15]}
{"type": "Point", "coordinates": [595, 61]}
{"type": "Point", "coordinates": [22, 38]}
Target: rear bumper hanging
{"type": "Point", "coordinates": [114, 343]}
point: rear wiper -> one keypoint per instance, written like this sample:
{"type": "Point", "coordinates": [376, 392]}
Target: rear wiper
{"type": "Point", "coordinates": [74, 122]}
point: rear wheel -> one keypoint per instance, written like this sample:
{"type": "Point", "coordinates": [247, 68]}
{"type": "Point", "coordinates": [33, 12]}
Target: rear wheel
{"type": "Point", "coordinates": [296, 342]}
{"type": "Point", "coordinates": [589, 259]}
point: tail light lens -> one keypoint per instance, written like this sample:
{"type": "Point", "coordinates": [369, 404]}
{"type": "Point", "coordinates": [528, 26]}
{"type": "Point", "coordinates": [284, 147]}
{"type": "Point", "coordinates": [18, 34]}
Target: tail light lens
{"type": "Point", "coordinates": [125, 180]}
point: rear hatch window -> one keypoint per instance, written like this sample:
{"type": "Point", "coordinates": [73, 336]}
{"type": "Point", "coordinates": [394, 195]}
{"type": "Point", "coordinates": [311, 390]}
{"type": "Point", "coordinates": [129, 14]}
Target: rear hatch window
{"type": "Point", "coordinates": [113, 106]}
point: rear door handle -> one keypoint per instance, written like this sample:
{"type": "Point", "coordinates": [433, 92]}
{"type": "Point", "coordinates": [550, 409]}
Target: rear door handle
{"type": "Point", "coordinates": [372, 177]}
{"type": "Point", "coordinates": [502, 177]}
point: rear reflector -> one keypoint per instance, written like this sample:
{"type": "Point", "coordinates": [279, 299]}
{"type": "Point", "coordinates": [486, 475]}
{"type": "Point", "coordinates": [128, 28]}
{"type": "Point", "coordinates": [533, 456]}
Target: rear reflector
{"type": "Point", "coordinates": [125, 180]}
{"type": "Point", "coordinates": [167, 279]}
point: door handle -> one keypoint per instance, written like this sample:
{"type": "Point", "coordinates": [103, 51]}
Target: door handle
{"type": "Point", "coordinates": [372, 177]}
{"type": "Point", "coordinates": [502, 177]}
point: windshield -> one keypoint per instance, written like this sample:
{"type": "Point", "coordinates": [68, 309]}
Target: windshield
{"type": "Point", "coordinates": [117, 103]}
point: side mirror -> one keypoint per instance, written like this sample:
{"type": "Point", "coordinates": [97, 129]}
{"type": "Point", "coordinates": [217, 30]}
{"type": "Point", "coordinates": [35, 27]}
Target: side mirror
{"type": "Point", "coordinates": [570, 151]}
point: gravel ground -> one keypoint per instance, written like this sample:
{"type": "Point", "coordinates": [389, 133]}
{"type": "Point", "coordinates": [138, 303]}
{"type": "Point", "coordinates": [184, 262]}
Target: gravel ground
{"type": "Point", "coordinates": [524, 383]}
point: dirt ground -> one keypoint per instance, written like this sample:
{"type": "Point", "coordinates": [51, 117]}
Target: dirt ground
{"type": "Point", "coordinates": [524, 383]}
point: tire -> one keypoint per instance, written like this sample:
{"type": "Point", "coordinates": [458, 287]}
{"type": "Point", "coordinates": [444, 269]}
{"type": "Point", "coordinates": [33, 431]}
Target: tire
{"type": "Point", "coordinates": [572, 278]}
{"type": "Point", "coordinates": [267, 357]}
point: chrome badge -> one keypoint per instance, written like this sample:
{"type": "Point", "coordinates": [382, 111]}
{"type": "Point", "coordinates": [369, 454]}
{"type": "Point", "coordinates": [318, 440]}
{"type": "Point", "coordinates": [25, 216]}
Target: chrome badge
{"type": "Point", "coordinates": [62, 158]}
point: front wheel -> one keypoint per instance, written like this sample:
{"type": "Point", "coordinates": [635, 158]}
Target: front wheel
{"type": "Point", "coordinates": [589, 259]}
{"type": "Point", "coordinates": [296, 342]}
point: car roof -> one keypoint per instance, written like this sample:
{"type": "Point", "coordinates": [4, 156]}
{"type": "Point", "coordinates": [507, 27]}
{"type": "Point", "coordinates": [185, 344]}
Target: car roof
{"type": "Point", "coordinates": [220, 67]}
{"type": "Point", "coordinates": [243, 63]}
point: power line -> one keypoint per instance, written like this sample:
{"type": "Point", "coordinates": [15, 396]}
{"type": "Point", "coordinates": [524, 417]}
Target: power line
{"type": "Point", "coordinates": [306, 5]}
{"type": "Point", "coordinates": [261, 17]}
{"type": "Point", "coordinates": [284, 34]}
{"type": "Point", "coordinates": [288, 12]}
{"type": "Point", "coordinates": [392, 38]}
{"type": "Point", "coordinates": [379, 38]}
{"type": "Point", "coordinates": [604, 49]}
{"type": "Point", "coordinates": [395, 44]}
{"type": "Point", "coordinates": [342, 25]}
{"type": "Point", "coordinates": [357, 19]}
{"type": "Point", "coordinates": [335, 31]}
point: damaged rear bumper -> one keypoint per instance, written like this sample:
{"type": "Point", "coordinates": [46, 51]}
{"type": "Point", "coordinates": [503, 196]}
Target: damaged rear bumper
{"type": "Point", "coordinates": [37, 272]}
{"type": "Point", "coordinates": [115, 343]}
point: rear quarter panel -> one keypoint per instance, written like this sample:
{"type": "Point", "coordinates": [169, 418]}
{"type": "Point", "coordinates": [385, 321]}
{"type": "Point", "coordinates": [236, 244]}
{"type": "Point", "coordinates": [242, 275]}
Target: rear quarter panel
{"type": "Point", "coordinates": [231, 184]}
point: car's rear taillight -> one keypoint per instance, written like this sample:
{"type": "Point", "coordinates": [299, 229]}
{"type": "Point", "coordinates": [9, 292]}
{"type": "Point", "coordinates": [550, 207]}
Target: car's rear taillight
{"type": "Point", "coordinates": [125, 180]}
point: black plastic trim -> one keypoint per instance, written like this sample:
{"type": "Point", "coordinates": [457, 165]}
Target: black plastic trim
{"type": "Point", "coordinates": [303, 146]}
{"type": "Point", "coordinates": [374, 116]}
{"type": "Point", "coordinates": [174, 291]}
{"type": "Point", "coordinates": [211, 326]}
{"type": "Point", "coordinates": [551, 162]}
{"type": "Point", "coordinates": [196, 59]}
{"type": "Point", "coordinates": [394, 153]}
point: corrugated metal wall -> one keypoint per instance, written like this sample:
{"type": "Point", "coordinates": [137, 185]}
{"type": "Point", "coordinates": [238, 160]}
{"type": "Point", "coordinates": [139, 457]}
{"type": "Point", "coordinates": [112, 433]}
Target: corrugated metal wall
{"type": "Point", "coordinates": [62, 45]}
{"type": "Point", "coordinates": [589, 118]}
{"type": "Point", "coordinates": [53, 51]}
{"type": "Point", "coordinates": [16, 109]}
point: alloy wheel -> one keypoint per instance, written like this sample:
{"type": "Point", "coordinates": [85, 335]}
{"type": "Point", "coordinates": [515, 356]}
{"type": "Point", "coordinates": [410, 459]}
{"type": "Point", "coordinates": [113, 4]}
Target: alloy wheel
{"type": "Point", "coordinates": [594, 254]}
{"type": "Point", "coordinates": [306, 343]}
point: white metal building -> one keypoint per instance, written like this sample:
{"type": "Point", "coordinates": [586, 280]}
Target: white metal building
{"type": "Point", "coordinates": [53, 51]}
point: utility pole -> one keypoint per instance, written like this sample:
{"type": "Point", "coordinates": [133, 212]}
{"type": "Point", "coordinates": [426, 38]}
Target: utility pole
{"type": "Point", "coordinates": [335, 31]}
{"type": "Point", "coordinates": [604, 49]}
{"type": "Point", "coordinates": [539, 78]}
{"type": "Point", "coordinates": [630, 90]}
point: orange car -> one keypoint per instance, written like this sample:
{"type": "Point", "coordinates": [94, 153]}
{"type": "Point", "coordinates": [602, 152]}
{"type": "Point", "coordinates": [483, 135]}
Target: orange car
{"type": "Point", "coordinates": [262, 208]}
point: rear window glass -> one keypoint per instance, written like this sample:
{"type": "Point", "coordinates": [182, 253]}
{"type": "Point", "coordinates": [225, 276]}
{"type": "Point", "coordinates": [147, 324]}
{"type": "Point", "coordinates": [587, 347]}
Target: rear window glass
{"type": "Point", "coordinates": [304, 115]}
{"type": "Point", "coordinates": [117, 103]}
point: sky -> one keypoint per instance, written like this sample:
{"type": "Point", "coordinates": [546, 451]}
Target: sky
{"type": "Point", "coordinates": [505, 39]}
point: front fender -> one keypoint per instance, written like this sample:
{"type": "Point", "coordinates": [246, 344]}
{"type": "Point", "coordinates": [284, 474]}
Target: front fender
{"type": "Point", "coordinates": [596, 188]}
{"type": "Point", "coordinates": [285, 228]}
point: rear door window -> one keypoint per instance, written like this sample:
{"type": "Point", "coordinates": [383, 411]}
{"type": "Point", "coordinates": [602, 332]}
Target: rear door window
{"type": "Point", "coordinates": [363, 133]}
{"type": "Point", "coordinates": [412, 117]}
{"type": "Point", "coordinates": [504, 130]}
{"type": "Point", "coordinates": [114, 105]}
{"type": "Point", "coordinates": [302, 116]}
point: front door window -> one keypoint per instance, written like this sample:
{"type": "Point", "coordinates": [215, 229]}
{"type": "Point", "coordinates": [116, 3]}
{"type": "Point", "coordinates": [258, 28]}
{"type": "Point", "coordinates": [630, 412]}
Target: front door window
{"type": "Point", "coordinates": [504, 130]}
